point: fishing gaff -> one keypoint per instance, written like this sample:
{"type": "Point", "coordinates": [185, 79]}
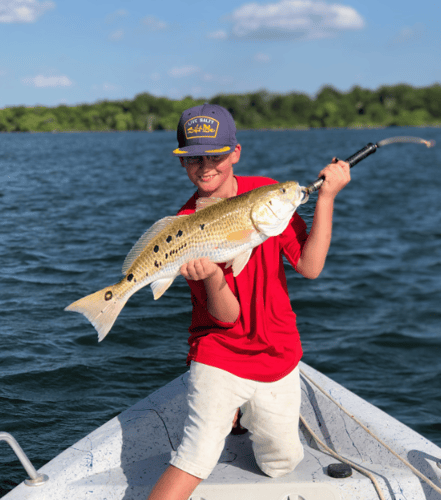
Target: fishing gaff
{"type": "Point", "coordinates": [364, 153]}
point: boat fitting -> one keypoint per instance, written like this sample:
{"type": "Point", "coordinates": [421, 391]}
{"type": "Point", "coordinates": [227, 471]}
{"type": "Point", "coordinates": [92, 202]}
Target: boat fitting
{"type": "Point", "coordinates": [339, 470]}
{"type": "Point", "coordinates": [35, 478]}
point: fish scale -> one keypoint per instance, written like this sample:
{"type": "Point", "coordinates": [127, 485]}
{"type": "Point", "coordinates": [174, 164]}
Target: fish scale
{"type": "Point", "coordinates": [224, 230]}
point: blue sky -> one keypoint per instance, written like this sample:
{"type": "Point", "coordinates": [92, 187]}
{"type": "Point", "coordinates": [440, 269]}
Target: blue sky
{"type": "Point", "coordinates": [82, 51]}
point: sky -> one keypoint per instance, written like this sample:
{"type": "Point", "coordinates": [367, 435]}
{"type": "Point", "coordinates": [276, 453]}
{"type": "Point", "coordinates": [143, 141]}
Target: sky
{"type": "Point", "coordinates": [82, 51]}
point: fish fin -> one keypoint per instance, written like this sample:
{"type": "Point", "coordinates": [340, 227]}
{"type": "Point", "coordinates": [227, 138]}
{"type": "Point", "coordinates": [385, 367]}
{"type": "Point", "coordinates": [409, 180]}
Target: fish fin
{"type": "Point", "coordinates": [139, 246]}
{"type": "Point", "coordinates": [100, 312]}
{"type": "Point", "coordinates": [241, 235]}
{"type": "Point", "coordinates": [159, 287]}
{"type": "Point", "coordinates": [205, 202]}
{"type": "Point", "coordinates": [240, 262]}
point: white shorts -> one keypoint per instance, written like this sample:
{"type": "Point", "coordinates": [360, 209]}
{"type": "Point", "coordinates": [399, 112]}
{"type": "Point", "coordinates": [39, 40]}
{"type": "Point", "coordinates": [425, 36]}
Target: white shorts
{"type": "Point", "coordinates": [270, 413]}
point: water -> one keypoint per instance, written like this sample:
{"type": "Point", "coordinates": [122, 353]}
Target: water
{"type": "Point", "coordinates": [72, 205]}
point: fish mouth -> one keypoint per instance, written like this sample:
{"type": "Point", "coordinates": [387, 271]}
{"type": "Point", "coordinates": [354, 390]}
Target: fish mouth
{"type": "Point", "coordinates": [274, 213]}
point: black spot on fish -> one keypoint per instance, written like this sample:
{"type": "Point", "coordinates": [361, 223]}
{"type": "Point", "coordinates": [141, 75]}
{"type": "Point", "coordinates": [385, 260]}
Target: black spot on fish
{"type": "Point", "coordinates": [179, 234]}
{"type": "Point", "coordinates": [166, 255]}
{"type": "Point", "coordinates": [202, 226]}
{"type": "Point", "coordinates": [156, 249]}
{"type": "Point", "coordinates": [146, 274]}
{"type": "Point", "coordinates": [156, 263]}
{"type": "Point", "coordinates": [108, 295]}
{"type": "Point", "coordinates": [130, 277]}
{"type": "Point", "coordinates": [169, 238]}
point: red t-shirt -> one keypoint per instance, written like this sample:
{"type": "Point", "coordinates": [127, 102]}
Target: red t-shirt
{"type": "Point", "coordinates": [263, 344]}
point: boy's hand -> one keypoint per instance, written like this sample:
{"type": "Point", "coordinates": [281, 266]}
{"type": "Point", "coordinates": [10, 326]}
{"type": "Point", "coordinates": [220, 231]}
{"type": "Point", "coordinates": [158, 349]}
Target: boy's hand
{"type": "Point", "coordinates": [199, 269]}
{"type": "Point", "coordinates": [336, 175]}
{"type": "Point", "coordinates": [222, 304]}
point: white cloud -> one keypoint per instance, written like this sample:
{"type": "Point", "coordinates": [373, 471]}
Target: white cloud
{"type": "Point", "coordinates": [154, 24]}
{"type": "Point", "coordinates": [23, 11]}
{"type": "Point", "coordinates": [183, 71]}
{"type": "Point", "coordinates": [195, 91]}
{"type": "Point", "coordinates": [41, 81]}
{"type": "Point", "coordinates": [293, 19]}
{"type": "Point", "coordinates": [262, 58]}
{"type": "Point", "coordinates": [116, 35]}
{"type": "Point", "coordinates": [116, 15]}
{"type": "Point", "coordinates": [218, 35]}
{"type": "Point", "coordinates": [109, 87]}
{"type": "Point", "coordinates": [106, 87]}
{"type": "Point", "coordinates": [409, 34]}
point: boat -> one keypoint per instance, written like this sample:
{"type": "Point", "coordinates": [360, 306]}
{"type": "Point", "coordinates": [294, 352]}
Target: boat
{"type": "Point", "coordinates": [353, 451]}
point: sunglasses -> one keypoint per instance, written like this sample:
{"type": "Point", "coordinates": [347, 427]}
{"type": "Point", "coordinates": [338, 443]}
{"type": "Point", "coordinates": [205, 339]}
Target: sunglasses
{"type": "Point", "coordinates": [192, 161]}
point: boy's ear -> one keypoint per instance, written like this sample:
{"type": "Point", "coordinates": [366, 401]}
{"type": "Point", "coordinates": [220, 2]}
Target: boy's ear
{"type": "Point", "coordinates": [236, 153]}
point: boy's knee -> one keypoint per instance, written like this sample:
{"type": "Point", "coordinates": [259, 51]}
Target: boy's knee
{"type": "Point", "coordinates": [281, 465]}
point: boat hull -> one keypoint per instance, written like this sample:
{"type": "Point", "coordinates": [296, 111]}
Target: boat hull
{"type": "Point", "coordinates": [124, 458]}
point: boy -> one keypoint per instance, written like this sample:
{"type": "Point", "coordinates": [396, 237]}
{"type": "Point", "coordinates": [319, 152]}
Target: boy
{"type": "Point", "coordinates": [244, 343]}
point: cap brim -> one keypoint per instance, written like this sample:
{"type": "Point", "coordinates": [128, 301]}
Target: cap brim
{"type": "Point", "coordinates": [203, 150]}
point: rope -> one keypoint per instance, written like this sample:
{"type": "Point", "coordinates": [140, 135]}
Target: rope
{"type": "Point", "coordinates": [405, 462]}
{"type": "Point", "coordinates": [345, 460]}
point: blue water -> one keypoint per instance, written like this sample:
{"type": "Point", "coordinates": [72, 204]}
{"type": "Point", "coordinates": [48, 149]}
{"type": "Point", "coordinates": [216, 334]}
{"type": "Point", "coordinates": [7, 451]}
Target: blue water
{"type": "Point", "coordinates": [71, 207]}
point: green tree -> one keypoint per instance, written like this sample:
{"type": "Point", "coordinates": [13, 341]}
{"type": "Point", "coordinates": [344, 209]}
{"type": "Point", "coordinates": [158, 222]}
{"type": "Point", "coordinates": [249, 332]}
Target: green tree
{"type": "Point", "coordinates": [432, 101]}
{"type": "Point", "coordinates": [124, 121]}
{"type": "Point", "coordinates": [7, 122]}
{"type": "Point", "coordinates": [388, 105]}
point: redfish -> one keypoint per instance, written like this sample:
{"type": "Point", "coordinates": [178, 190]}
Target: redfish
{"type": "Point", "coordinates": [224, 230]}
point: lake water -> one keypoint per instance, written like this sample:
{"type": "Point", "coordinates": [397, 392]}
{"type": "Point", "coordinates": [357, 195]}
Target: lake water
{"type": "Point", "coordinates": [72, 206]}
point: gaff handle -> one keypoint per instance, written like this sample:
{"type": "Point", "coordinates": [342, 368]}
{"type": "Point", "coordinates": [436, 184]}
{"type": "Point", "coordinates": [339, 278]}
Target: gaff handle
{"type": "Point", "coordinates": [362, 154]}
{"type": "Point", "coordinates": [352, 160]}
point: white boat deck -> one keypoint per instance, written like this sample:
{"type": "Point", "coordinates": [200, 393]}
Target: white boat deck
{"type": "Point", "coordinates": [124, 458]}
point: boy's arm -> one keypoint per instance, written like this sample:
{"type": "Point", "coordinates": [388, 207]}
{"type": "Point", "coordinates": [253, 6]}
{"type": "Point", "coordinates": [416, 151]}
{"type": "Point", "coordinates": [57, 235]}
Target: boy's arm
{"type": "Point", "coordinates": [316, 248]}
{"type": "Point", "coordinates": [221, 302]}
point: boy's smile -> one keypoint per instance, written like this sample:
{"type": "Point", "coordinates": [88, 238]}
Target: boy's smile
{"type": "Point", "coordinates": [213, 175]}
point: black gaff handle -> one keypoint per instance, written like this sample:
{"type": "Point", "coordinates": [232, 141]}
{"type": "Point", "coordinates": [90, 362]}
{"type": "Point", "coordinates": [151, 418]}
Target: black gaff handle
{"type": "Point", "coordinates": [362, 154]}
{"type": "Point", "coordinates": [366, 151]}
{"type": "Point", "coordinates": [352, 160]}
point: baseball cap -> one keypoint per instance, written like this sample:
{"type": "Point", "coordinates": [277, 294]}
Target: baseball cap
{"type": "Point", "coordinates": [206, 130]}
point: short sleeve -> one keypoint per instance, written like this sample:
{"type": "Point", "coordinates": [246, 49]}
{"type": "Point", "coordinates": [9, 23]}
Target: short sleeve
{"type": "Point", "coordinates": [293, 239]}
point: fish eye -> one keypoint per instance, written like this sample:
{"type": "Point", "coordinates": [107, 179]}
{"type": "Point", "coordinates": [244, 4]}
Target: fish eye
{"type": "Point", "coordinates": [283, 190]}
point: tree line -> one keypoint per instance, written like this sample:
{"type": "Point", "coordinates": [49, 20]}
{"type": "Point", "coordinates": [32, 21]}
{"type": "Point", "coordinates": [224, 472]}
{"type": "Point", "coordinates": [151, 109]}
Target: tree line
{"type": "Point", "coordinates": [398, 105]}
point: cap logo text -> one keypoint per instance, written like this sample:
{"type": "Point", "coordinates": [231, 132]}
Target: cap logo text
{"type": "Point", "coordinates": [201, 126]}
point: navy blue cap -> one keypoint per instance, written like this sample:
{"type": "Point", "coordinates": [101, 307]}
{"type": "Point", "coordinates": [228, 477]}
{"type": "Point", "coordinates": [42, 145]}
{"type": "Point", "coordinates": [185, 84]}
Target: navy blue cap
{"type": "Point", "coordinates": [206, 130]}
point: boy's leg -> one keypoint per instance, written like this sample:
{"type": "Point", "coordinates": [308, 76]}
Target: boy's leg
{"type": "Point", "coordinates": [272, 417]}
{"type": "Point", "coordinates": [174, 484]}
{"type": "Point", "coordinates": [213, 398]}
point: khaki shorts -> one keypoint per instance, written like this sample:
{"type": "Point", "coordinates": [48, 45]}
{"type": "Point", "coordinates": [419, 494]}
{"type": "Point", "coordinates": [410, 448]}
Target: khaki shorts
{"type": "Point", "coordinates": [270, 413]}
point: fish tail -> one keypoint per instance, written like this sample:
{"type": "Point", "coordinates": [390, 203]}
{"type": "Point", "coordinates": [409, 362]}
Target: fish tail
{"type": "Point", "coordinates": [100, 308]}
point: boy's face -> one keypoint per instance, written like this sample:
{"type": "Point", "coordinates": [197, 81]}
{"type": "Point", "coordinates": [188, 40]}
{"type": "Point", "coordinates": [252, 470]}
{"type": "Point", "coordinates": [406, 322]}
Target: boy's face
{"type": "Point", "coordinates": [212, 175]}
